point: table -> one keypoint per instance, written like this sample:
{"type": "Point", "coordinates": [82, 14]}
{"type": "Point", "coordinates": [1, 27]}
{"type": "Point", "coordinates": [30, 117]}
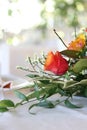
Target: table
{"type": "Point", "coordinates": [58, 118]}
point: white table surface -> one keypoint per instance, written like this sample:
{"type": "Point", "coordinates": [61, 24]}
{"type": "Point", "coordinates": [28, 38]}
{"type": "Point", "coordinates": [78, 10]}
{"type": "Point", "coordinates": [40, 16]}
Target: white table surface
{"type": "Point", "coordinates": [58, 118]}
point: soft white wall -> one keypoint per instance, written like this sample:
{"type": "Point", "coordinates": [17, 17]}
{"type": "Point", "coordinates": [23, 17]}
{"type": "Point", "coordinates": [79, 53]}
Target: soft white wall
{"type": "Point", "coordinates": [4, 59]}
{"type": "Point", "coordinates": [13, 56]}
{"type": "Point", "coordinates": [19, 54]}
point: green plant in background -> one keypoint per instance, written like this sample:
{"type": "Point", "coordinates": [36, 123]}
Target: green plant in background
{"type": "Point", "coordinates": [70, 12]}
{"type": "Point", "coordinates": [65, 10]}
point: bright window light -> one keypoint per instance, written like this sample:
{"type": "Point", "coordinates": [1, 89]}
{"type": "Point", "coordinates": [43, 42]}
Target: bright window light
{"type": "Point", "coordinates": [25, 14]}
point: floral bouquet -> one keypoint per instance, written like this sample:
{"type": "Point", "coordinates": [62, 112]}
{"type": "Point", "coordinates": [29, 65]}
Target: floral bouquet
{"type": "Point", "coordinates": [62, 73]}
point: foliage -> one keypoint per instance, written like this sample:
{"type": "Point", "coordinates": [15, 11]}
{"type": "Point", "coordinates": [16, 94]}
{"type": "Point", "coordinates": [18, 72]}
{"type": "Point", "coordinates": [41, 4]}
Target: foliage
{"type": "Point", "coordinates": [68, 10]}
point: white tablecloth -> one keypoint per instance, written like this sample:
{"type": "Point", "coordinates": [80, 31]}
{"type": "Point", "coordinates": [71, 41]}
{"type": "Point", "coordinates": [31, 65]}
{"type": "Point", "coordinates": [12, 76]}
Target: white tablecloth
{"type": "Point", "coordinates": [58, 118]}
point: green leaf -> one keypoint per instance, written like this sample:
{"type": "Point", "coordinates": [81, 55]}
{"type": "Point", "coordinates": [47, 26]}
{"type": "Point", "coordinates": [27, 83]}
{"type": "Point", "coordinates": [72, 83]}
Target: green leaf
{"type": "Point", "coordinates": [37, 94]}
{"type": "Point", "coordinates": [79, 77]}
{"type": "Point", "coordinates": [62, 92]}
{"type": "Point", "coordinates": [3, 109]}
{"type": "Point", "coordinates": [32, 75]}
{"type": "Point", "coordinates": [34, 105]}
{"type": "Point", "coordinates": [70, 53]}
{"type": "Point", "coordinates": [83, 82]}
{"type": "Point", "coordinates": [70, 105]}
{"type": "Point", "coordinates": [80, 65]}
{"type": "Point", "coordinates": [6, 103]}
{"type": "Point", "coordinates": [21, 95]}
{"type": "Point", "coordinates": [47, 91]}
{"type": "Point", "coordinates": [17, 104]}
{"type": "Point", "coordinates": [68, 83]}
{"type": "Point", "coordinates": [46, 104]}
{"type": "Point", "coordinates": [33, 94]}
{"type": "Point", "coordinates": [46, 81]}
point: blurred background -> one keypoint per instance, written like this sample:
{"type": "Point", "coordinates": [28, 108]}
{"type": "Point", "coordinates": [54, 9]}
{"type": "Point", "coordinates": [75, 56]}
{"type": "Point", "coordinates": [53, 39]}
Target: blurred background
{"type": "Point", "coordinates": [26, 29]}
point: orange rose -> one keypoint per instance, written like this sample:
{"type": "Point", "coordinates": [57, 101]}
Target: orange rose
{"type": "Point", "coordinates": [78, 43]}
{"type": "Point", "coordinates": [56, 63]}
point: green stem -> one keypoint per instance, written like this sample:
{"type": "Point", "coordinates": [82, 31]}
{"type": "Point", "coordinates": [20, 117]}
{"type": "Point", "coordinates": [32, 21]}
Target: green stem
{"type": "Point", "coordinates": [75, 31]}
{"type": "Point", "coordinates": [60, 38]}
